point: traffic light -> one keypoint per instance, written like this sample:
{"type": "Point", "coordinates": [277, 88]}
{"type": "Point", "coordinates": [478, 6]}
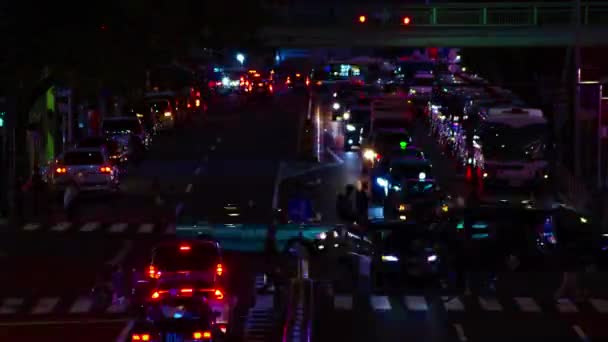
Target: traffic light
{"type": "Point", "coordinates": [406, 20]}
{"type": "Point", "coordinates": [362, 19]}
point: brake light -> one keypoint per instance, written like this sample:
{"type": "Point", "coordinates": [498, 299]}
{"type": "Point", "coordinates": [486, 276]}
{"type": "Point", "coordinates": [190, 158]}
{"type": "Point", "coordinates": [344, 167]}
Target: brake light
{"type": "Point", "coordinates": [188, 105]}
{"type": "Point", "coordinates": [153, 272]}
{"type": "Point", "coordinates": [223, 328]}
{"type": "Point", "coordinates": [184, 248]}
{"type": "Point", "coordinates": [186, 291]}
{"type": "Point", "coordinates": [197, 102]}
{"type": "Point", "coordinates": [197, 335]}
{"type": "Point", "coordinates": [140, 337]}
{"type": "Point", "coordinates": [168, 114]}
{"type": "Point", "coordinates": [218, 294]}
{"type": "Point", "coordinates": [61, 170]}
{"type": "Point", "coordinates": [155, 295]}
{"type": "Point", "coordinates": [219, 269]}
{"type": "Point", "coordinates": [105, 169]}
{"type": "Point", "coordinates": [270, 88]}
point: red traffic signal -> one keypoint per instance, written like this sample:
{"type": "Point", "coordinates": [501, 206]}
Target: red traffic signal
{"type": "Point", "coordinates": [362, 19]}
{"type": "Point", "coordinates": [406, 20]}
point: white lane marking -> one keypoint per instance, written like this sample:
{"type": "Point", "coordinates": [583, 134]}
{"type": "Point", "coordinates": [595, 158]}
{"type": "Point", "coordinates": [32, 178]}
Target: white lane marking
{"type": "Point", "coordinates": [416, 303]}
{"type": "Point", "coordinates": [57, 322]}
{"type": "Point", "coordinates": [490, 304]}
{"type": "Point", "coordinates": [460, 332]}
{"type": "Point", "coordinates": [82, 305]}
{"type": "Point", "coordinates": [189, 188]}
{"type": "Point", "coordinates": [581, 334]}
{"type": "Point", "coordinates": [277, 184]}
{"type": "Point", "coordinates": [600, 305]}
{"type": "Point", "coordinates": [343, 302]}
{"type": "Point", "coordinates": [118, 227]}
{"type": "Point", "coordinates": [453, 304]}
{"type": "Point", "coordinates": [335, 156]}
{"type": "Point", "coordinates": [30, 227]}
{"type": "Point", "coordinates": [45, 305]}
{"type": "Point", "coordinates": [145, 228]}
{"type": "Point", "coordinates": [527, 304]}
{"type": "Point", "coordinates": [121, 254]}
{"type": "Point", "coordinates": [565, 305]}
{"type": "Point", "coordinates": [197, 171]}
{"type": "Point", "coordinates": [10, 305]}
{"type": "Point", "coordinates": [264, 302]}
{"type": "Point", "coordinates": [90, 226]}
{"type": "Point", "coordinates": [380, 303]}
{"type": "Point", "coordinates": [124, 333]}
{"type": "Point", "coordinates": [61, 227]}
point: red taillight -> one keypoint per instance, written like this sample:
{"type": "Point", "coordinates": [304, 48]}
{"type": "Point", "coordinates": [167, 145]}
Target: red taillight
{"type": "Point", "coordinates": [184, 248]}
{"type": "Point", "coordinates": [197, 102]}
{"type": "Point", "coordinates": [197, 335]}
{"type": "Point", "coordinates": [218, 294]}
{"type": "Point", "coordinates": [378, 156]}
{"type": "Point", "coordinates": [270, 88]}
{"type": "Point", "coordinates": [219, 269]}
{"type": "Point", "coordinates": [153, 272]}
{"type": "Point", "coordinates": [61, 170]}
{"type": "Point", "coordinates": [223, 328]}
{"type": "Point", "coordinates": [407, 20]}
{"type": "Point", "coordinates": [140, 337]}
{"type": "Point", "coordinates": [155, 295]}
{"type": "Point", "coordinates": [362, 19]}
{"type": "Point", "coordinates": [105, 169]}
{"type": "Point", "coordinates": [188, 105]}
{"type": "Point", "coordinates": [186, 291]}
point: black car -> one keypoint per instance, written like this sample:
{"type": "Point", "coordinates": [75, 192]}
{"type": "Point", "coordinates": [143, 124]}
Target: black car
{"type": "Point", "coordinates": [356, 126]}
{"type": "Point", "coordinates": [406, 250]}
{"type": "Point", "coordinates": [197, 330]}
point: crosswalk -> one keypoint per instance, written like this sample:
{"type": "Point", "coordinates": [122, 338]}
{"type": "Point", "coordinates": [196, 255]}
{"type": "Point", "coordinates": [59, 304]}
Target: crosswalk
{"type": "Point", "coordinates": [11, 307]}
{"type": "Point", "coordinates": [259, 323]}
{"type": "Point", "coordinates": [98, 227]}
{"type": "Point", "coordinates": [471, 304]}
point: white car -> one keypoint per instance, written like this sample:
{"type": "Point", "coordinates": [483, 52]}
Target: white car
{"type": "Point", "coordinates": [90, 168]}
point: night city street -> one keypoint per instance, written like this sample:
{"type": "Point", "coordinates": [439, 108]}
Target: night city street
{"type": "Point", "coordinates": [304, 171]}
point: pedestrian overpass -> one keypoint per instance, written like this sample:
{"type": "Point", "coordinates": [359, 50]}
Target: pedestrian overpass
{"type": "Point", "coordinates": [452, 24]}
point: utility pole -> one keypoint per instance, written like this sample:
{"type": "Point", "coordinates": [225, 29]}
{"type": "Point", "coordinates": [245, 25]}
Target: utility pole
{"type": "Point", "coordinates": [575, 91]}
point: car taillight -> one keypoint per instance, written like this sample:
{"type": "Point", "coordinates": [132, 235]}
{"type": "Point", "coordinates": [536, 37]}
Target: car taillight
{"type": "Point", "coordinates": [61, 170]}
{"type": "Point", "coordinates": [223, 328]}
{"type": "Point", "coordinates": [153, 272]}
{"type": "Point", "coordinates": [270, 88]}
{"type": "Point", "coordinates": [198, 335]}
{"type": "Point", "coordinates": [218, 294]}
{"type": "Point", "coordinates": [219, 269]}
{"type": "Point", "coordinates": [168, 114]}
{"type": "Point", "coordinates": [140, 337]}
{"type": "Point", "coordinates": [186, 291]}
{"type": "Point", "coordinates": [105, 169]}
{"type": "Point", "coordinates": [197, 102]}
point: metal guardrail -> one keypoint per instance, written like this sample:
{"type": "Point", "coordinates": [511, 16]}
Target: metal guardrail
{"type": "Point", "coordinates": [502, 14]}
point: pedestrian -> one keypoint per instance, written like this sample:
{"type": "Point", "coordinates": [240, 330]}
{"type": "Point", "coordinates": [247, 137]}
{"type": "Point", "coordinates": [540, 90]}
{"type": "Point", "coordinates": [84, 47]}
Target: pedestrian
{"type": "Point", "coordinates": [69, 200]}
{"type": "Point", "coordinates": [362, 204]}
{"type": "Point", "coordinates": [118, 285]}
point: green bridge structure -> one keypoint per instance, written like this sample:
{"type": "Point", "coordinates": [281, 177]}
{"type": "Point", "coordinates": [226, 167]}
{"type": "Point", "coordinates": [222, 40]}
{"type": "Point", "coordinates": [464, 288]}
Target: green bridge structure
{"type": "Point", "coordinates": [503, 24]}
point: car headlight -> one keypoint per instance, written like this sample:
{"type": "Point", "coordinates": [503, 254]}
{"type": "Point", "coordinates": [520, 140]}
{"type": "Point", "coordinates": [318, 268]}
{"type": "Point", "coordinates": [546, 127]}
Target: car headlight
{"type": "Point", "coordinates": [412, 91]}
{"type": "Point", "coordinates": [369, 154]}
{"type": "Point", "coordinates": [389, 258]}
{"type": "Point", "coordinates": [336, 106]}
{"type": "Point", "coordinates": [382, 182]}
{"type": "Point", "coordinates": [346, 115]}
{"type": "Point", "coordinates": [350, 128]}
{"type": "Point", "coordinates": [322, 236]}
{"type": "Point", "coordinates": [431, 258]}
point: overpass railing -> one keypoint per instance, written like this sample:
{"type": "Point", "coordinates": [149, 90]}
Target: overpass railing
{"type": "Point", "coordinates": [442, 15]}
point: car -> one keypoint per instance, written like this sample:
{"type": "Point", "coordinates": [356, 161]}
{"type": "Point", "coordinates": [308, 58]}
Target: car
{"type": "Point", "coordinates": [162, 111]}
{"type": "Point", "coordinates": [109, 146]}
{"type": "Point", "coordinates": [382, 140]}
{"type": "Point", "coordinates": [90, 168]}
{"type": "Point", "coordinates": [186, 330]}
{"type": "Point", "coordinates": [297, 80]}
{"type": "Point", "coordinates": [356, 126]}
{"type": "Point", "coordinates": [190, 300]}
{"type": "Point", "coordinates": [408, 175]}
{"type": "Point", "coordinates": [259, 86]}
{"type": "Point", "coordinates": [406, 251]}
{"type": "Point", "coordinates": [123, 128]}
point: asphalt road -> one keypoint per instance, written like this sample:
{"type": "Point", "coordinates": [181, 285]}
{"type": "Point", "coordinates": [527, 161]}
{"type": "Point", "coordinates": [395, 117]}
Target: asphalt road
{"type": "Point", "coordinates": [48, 267]}
{"type": "Point", "coordinates": [521, 308]}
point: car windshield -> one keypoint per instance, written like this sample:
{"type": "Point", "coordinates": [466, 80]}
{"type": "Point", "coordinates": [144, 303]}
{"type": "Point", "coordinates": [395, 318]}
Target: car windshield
{"type": "Point", "coordinates": [121, 126]}
{"type": "Point", "coordinates": [423, 82]}
{"type": "Point", "coordinates": [504, 142]}
{"type": "Point", "coordinates": [199, 257]}
{"type": "Point", "coordinates": [159, 105]}
{"type": "Point", "coordinates": [83, 158]}
{"type": "Point", "coordinates": [410, 170]}
{"type": "Point", "coordinates": [406, 153]}
{"type": "Point", "coordinates": [95, 142]}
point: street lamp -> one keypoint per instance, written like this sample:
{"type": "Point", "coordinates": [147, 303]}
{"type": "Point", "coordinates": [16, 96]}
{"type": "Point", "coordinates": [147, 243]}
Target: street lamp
{"type": "Point", "coordinates": [240, 57]}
